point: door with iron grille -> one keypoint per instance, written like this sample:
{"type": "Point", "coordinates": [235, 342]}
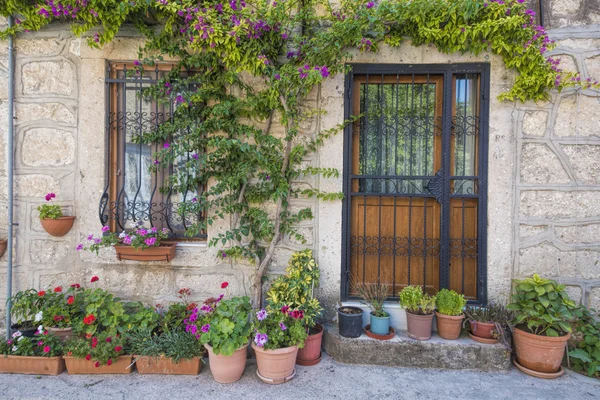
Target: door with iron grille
{"type": "Point", "coordinates": [415, 176]}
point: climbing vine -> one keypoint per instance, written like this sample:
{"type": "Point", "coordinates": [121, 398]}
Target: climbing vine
{"type": "Point", "coordinates": [254, 64]}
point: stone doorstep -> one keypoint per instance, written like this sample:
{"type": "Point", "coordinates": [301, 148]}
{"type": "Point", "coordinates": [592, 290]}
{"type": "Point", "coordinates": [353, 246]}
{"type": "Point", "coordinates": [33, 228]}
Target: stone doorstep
{"type": "Point", "coordinates": [402, 351]}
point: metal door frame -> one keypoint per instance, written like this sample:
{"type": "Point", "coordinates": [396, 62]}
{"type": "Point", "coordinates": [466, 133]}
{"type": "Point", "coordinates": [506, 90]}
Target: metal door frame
{"type": "Point", "coordinates": [447, 70]}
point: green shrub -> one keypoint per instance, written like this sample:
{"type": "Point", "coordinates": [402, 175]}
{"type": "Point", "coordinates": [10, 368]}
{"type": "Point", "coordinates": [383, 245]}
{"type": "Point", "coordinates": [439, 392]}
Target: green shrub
{"type": "Point", "coordinates": [448, 302]}
{"type": "Point", "coordinates": [585, 357]}
{"type": "Point", "coordinates": [415, 301]}
{"type": "Point", "coordinates": [175, 344]}
{"type": "Point", "coordinates": [102, 349]}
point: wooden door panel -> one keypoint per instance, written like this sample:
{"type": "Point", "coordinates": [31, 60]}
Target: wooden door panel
{"type": "Point", "coordinates": [463, 246]}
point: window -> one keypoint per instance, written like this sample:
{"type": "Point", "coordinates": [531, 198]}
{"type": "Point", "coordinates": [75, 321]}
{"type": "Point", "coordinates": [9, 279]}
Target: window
{"type": "Point", "coordinates": [132, 193]}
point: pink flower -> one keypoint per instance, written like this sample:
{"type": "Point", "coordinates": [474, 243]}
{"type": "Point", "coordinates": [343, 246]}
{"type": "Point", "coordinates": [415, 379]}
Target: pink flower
{"type": "Point", "coordinates": [150, 241]}
{"type": "Point", "coordinates": [50, 196]}
{"type": "Point", "coordinates": [47, 349]}
{"type": "Point", "coordinates": [105, 229]}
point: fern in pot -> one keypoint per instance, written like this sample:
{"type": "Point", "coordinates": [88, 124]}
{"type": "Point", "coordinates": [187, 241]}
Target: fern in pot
{"type": "Point", "coordinates": [419, 309]}
{"type": "Point", "coordinates": [374, 295]}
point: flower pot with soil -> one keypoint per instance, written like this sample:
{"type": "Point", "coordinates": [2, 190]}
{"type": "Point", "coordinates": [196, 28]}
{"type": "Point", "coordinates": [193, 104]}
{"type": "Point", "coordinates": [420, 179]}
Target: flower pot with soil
{"type": "Point", "coordinates": [279, 335]}
{"type": "Point", "coordinates": [374, 296]}
{"type": "Point", "coordinates": [350, 321]}
{"type": "Point", "coordinates": [489, 324]}
{"type": "Point", "coordinates": [449, 313]}
{"type": "Point", "coordinates": [100, 354]}
{"type": "Point", "coordinates": [3, 245]}
{"type": "Point", "coordinates": [419, 309]}
{"type": "Point", "coordinates": [295, 290]}
{"type": "Point", "coordinates": [52, 219]}
{"type": "Point", "coordinates": [26, 311]}
{"type": "Point", "coordinates": [36, 355]}
{"type": "Point", "coordinates": [540, 340]}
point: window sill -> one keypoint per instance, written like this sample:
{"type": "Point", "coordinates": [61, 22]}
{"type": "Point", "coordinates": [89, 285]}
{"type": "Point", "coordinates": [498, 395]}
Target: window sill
{"type": "Point", "coordinates": [192, 244]}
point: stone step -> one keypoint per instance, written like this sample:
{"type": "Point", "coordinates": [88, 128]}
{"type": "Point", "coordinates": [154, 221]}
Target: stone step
{"type": "Point", "coordinates": [402, 351]}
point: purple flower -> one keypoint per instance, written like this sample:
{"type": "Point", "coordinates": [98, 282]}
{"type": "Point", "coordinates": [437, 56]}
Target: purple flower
{"type": "Point", "coordinates": [195, 156]}
{"type": "Point", "coordinates": [97, 241]}
{"type": "Point", "coordinates": [205, 328]}
{"type": "Point", "coordinates": [206, 308]}
{"type": "Point", "coordinates": [105, 229]}
{"type": "Point", "coordinates": [166, 146]}
{"type": "Point", "coordinates": [194, 200]}
{"type": "Point", "coordinates": [150, 241]}
{"type": "Point", "coordinates": [282, 326]}
{"type": "Point", "coordinates": [96, 37]}
{"type": "Point", "coordinates": [136, 63]}
{"type": "Point", "coordinates": [90, 237]}
{"type": "Point", "coordinates": [44, 12]}
{"type": "Point", "coordinates": [94, 13]}
{"type": "Point", "coordinates": [156, 162]}
{"type": "Point", "coordinates": [127, 239]}
{"type": "Point", "coordinates": [277, 77]}
{"type": "Point", "coordinates": [50, 196]}
{"type": "Point", "coordinates": [179, 99]}
{"type": "Point", "coordinates": [79, 247]}
{"type": "Point", "coordinates": [284, 36]}
{"type": "Point", "coordinates": [370, 4]}
{"type": "Point", "coordinates": [261, 315]}
{"type": "Point", "coordinates": [219, 298]}
{"type": "Point", "coordinates": [223, 254]}
{"type": "Point", "coordinates": [324, 71]}
{"type": "Point", "coordinates": [142, 232]}
{"type": "Point", "coordinates": [261, 339]}
{"type": "Point", "coordinates": [193, 318]}
{"type": "Point", "coordinates": [154, 229]}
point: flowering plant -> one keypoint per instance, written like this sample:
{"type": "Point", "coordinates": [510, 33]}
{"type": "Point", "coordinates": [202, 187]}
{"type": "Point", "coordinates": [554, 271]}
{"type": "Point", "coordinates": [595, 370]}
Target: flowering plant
{"type": "Point", "coordinates": [61, 307]}
{"type": "Point", "coordinates": [103, 312]}
{"type": "Point", "coordinates": [173, 317]}
{"type": "Point", "coordinates": [138, 238]}
{"type": "Point", "coordinates": [27, 308]}
{"type": "Point", "coordinates": [101, 350]}
{"type": "Point", "coordinates": [279, 328]}
{"type": "Point", "coordinates": [42, 344]}
{"type": "Point", "coordinates": [50, 211]}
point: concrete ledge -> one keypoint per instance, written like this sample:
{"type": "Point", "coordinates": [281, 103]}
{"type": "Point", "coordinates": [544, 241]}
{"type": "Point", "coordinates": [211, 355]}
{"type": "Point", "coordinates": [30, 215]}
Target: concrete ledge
{"type": "Point", "coordinates": [402, 351]}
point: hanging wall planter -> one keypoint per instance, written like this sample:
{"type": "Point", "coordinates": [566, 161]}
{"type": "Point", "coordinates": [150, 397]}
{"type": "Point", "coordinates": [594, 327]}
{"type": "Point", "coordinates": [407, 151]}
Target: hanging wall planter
{"type": "Point", "coordinates": [164, 252]}
{"type": "Point", "coordinates": [3, 244]}
{"type": "Point", "coordinates": [57, 227]}
{"type": "Point", "coordinates": [32, 365]}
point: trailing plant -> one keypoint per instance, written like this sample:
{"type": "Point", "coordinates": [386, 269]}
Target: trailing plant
{"type": "Point", "coordinates": [276, 329]}
{"type": "Point", "coordinates": [102, 349]}
{"type": "Point", "coordinates": [50, 211]}
{"type": "Point", "coordinates": [296, 288]}
{"type": "Point", "coordinates": [175, 344]}
{"type": "Point", "coordinates": [448, 302]}
{"type": "Point", "coordinates": [138, 238]}
{"type": "Point", "coordinates": [493, 313]}
{"type": "Point", "coordinates": [415, 301]}
{"type": "Point", "coordinates": [585, 343]}
{"type": "Point", "coordinates": [542, 306]}
{"type": "Point", "coordinates": [42, 344]}
{"type": "Point", "coordinates": [374, 295]}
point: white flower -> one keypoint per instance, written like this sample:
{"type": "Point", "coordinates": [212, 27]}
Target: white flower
{"type": "Point", "coordinates": [122, 234]}
{"type": "Point", "coordinates": [38, 316]}
{"type": "Point", "coordinates": [15, 348]}
{"type": "Point", "coordinates": [40, 328]}
{"type": "Point", "coordinates": [20, 338]}
{"type": "Point", "coordinates": [17, 334]}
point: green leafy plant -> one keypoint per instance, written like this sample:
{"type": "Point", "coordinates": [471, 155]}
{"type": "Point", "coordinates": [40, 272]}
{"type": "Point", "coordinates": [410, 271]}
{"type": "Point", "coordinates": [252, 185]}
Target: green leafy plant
{"type": "Point", "coordinates": [103, 313]}
{"type": "Point", "coordinates": [27, 308]}
{"type": "Point", "coordinates": [61, 308]}
{"type": "Point", "coordinates": [448, 302]}
{"type": "Point", "coordinates": [585, 342]}
{"type": "Point", "coordinates": [415, 301]}
{"type": "Point", "coordinates": [296, 288]}
{"type": "Point", "coordinates": [374, 295]}
{"type": "Point", "coordinates": [542, 306]}
{"type": "Point", "coordinates": [50, 211]}
{"type": "Point", "coordinates": [102, 349]}
{"type": "Point", "coordinates": [175, 344]}
{"type": "Point", "coordinates": [276, 329]}
{"type": "Point", "coordinates": [42, 344]}
{"type": "Point", "coordinates": [140, 316]}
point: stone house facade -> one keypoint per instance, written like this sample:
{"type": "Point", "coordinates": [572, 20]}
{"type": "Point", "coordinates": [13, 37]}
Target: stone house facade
{"type": "Point", "coordinates": [543, 166]}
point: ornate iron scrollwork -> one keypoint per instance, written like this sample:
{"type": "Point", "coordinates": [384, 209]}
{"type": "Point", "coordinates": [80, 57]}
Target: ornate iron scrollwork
{"type": "Point", "coordinates": [436, 186]}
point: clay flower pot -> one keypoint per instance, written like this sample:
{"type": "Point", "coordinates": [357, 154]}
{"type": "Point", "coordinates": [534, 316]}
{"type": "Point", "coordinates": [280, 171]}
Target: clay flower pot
{"type": "Point", "coordinates": [164, 252]}
{"type": "Point", "coordinates": [227, 369]}
{"type": "Point", "coordinates": [276, 366]}
{"type": "Point", "coordinates": [310, 354]}
{"type": "Point", "coordinates": [32, 365]}
{"type": "Point", "coordinates": [419, 326]}
{"type": "Point", "coordinates": [449, 326]}
{"type": "Point", "coordinates": [59, 226]}
{"type": "Point", "coordinates": [482, 329]}
{"type": "Point", "coordinates": [120, 365]}
{"type": "Point", "coordinates": [62, 333]}
{"type": "Point", "coordinates": [165, 365]}
{"type": "Point", "coordinates": [3, 244]}
{"type": "Point", "coordinates": [350, 321]}
{"type": "Point", "coordinates": [539, 353]}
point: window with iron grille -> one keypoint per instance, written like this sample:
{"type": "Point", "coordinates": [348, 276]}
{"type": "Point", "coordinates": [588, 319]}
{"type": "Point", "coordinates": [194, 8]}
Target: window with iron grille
{"type": "Point", "coordinates": [137, 188]}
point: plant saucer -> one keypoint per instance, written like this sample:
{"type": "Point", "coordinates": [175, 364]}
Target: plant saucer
{"type": "Point", "coordinates": [538, 374]}
{"type": "Point", "coordinates": [483, 340]}
{"type": "Point", "coordinates": [370, 334]}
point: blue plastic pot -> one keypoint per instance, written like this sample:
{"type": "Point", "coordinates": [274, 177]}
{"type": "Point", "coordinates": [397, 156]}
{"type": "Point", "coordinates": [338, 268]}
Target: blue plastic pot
{"type": "Point", "coordinates": [380, 325]}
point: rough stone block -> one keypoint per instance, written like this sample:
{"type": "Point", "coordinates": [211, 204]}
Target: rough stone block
{"type": "Point", "coordinates": [551, 262]}
{"type": "Point", "coordinates": [567, 62]}
{"type": "Point", "coordinates": [62, 278]}
{"type": "Point", "coordinates": [209, 284]}
{"type": "Point", "coordinates": [401, 351]}
{"type": "Point", "coordinates": [39, 111]}
{"type": "Point", "coordinates": [578, 116]}
{"type": "Point", "coordinates": [539, 164]}
{"type": "Point", "coordinates": [584, 161]}
{"type": "Point", "coordinates": [34, 185]}
{"type": "Point", "coordinates": [578, 233]}
{"type": "Point", "coordinates": [560, 204]}
{"type": "Point", "coordinates": [48, 251]}
{"type": "Point", "coordinates": [575, 293]}
{"type": "Point", "coordinates": [565, 6]}
{"type": "Point", "coordinates": [592, 65]}
{"type": "Point", "coordinates": [48, 77]}
{"type": "Point", "coordinates": [578, 44]}
{"type": "Point", "coordinates": [535, 123]}
{"type": "Point", "coordinates": [39, 47]}
{"type": "Point", "coordinates": [526, 231]}
{"type": "Point", "coordinates": [48, 147]}
{"type": "Point", "coordinates": [594, 298]}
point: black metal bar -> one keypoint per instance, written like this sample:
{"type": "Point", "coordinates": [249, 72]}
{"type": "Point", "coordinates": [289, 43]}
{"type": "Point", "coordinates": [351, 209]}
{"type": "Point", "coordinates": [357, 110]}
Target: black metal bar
{"type": "Point", "coordinates": [444, 265]}
{"type": "Point", "coordinates": [346, 203]}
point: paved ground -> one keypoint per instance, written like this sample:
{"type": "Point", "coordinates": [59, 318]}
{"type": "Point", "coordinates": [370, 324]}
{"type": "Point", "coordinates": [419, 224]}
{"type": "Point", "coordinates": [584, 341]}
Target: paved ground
{"type": "Point", "coordinates": [328, 380]}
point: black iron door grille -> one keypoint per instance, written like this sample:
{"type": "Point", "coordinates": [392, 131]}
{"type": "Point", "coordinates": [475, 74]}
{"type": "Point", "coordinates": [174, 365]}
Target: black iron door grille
{"type": "Point", "coordinates": [415, 178]}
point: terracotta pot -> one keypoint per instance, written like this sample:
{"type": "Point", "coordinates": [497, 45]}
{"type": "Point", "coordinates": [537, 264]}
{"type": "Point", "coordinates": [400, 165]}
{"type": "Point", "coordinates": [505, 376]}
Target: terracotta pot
{"type": "Point", "coordinates": [164, 252]}
{"type": "Point", "coordinates": [120, 365]}
{"type": "Point", "coordinates": [419, 326]}
{"type": "Point", "coordinates": [165, 365]}
{"type": "Point", "coordinates": [32, 365]}
{"type": "Point", "coordinates": [276, 366]}
{"type": "Point", "coordinates": [482, 329]}
{"type": "Point", "coordinates": [3, 244]}
{"type": "Point", "coordinates": [312, 347]}
{"type": "Point", "coordinates": [59, 226]}
{"type": "Point", "coordinates": [539, 353]}
{"type": "Point", "coordinates": [62, 333]}
{"type": "Point", "coordinates": [449, 326]}
{"type": "Point", "coordinates": [227, 369]}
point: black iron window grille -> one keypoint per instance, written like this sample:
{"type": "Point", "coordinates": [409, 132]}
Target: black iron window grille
{"type": "Point", "coordinates": [137, 190]}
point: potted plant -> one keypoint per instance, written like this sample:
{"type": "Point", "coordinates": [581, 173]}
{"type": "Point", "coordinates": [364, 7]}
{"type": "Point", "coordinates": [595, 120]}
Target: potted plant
{"type": "Point", "coordinates": [585, 342]}
{"type": "Point", "coordinates": [543, 312]}
{"type": "Point", "coordinates": [173, 352]}
{"type": "Point", "coordinates": [52, 218]}
{"type": "Point", "coordinates": [61, 308]}
{"type": "Point", "coordinates": [140, 244]}
{"type": "Point", "coordinates": [278, 336]}
{"type": "Point", "coordinates": [27, 311]}
{"type": "Point", "coordinates": [489, 324]}
{"type": "Point", "coordinates": [37, 355]}
{"type": "Point", "coordinates": [224, 327]}
{"type": "Point", "coordinates": [419, 308]}
{"type": "Point", "coordinates": [350, 321]}
{"type": "Point", "coordinates": [101, 354]}
{"type": "Point", "coordinates": [296, 290]}
{"type": "Point", "coordinates": [3, 244]}
{"type": "Point", "coordinates": [449, 313]}
{"type": "Point", "coordinates": [374, 295]}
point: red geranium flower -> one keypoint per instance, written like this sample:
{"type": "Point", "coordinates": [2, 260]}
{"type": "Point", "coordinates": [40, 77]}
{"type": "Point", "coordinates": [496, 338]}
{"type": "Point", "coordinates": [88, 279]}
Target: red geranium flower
{"type": "Point", "coordinates": [41, 293]}
{"type": "Point", "coordinates": [70, 353]}
{"type": "Point", "coordinates": [58, 318]}
{"type": "Point", "coordinates": [89, 319]}
{"type": "Point", "coordinates": [285, 309]}
{"type": "Point", "coordinates": [57, 289]}
{"type": "Point", "coordinates": [118, 349]}
{"type": "Point", "coordinates": [94, 279]}
{"type": "Point", "coordinates": [109, 362]}
{"type": "Point", "coordinates": [88, 357]}
{"type": "Point", "coordinates": [97, 364]}
{"type": "Point", "coordinates": [76, 285]}
{"type": "Point", "coordinates": [94, 344]}
{"type": "Point", "coordinates": [108, 339]}
{"type": "Point", "coordinates": [191, 306]}
{"type": "Point", "coordinates": [224, 285]}
{"type": "Point", "coordinates": [70, 300]}
{"type": "Point", "coordinates": [47, 349]}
